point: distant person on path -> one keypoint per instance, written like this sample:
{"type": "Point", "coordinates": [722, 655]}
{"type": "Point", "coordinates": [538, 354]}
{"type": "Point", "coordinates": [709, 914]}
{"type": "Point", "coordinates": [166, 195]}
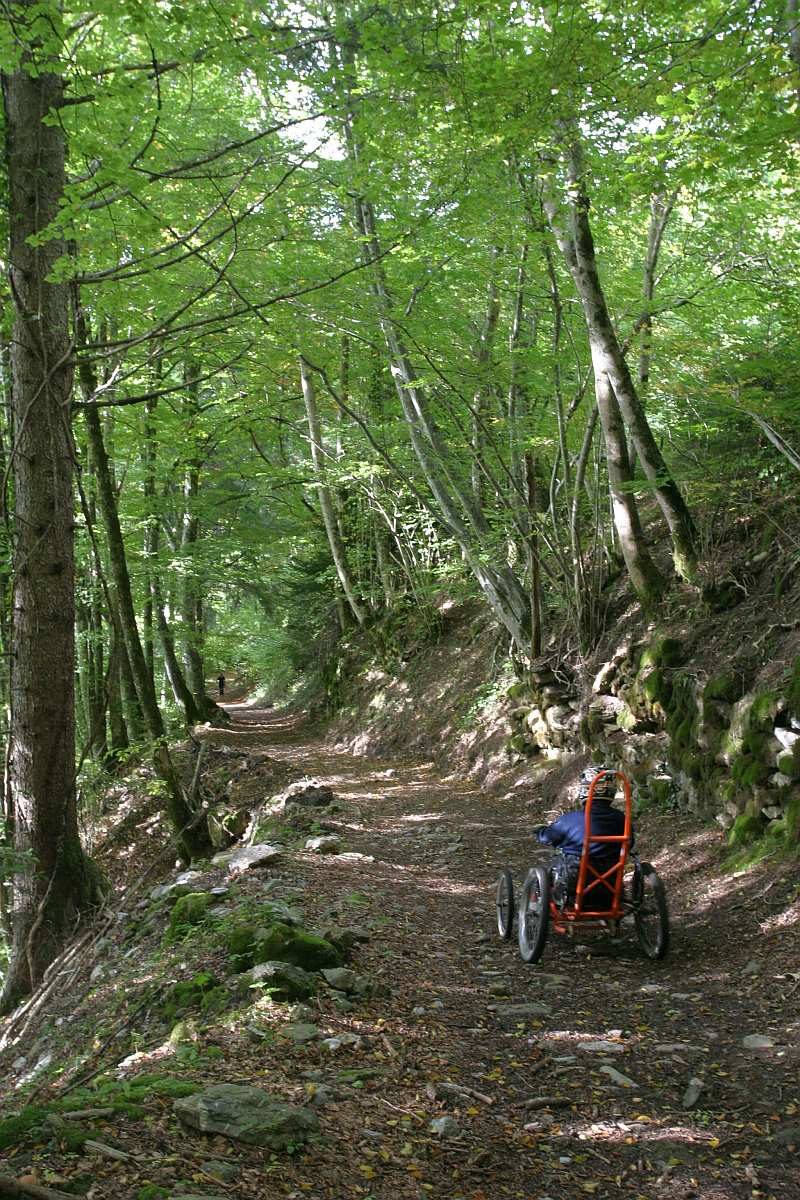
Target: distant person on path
{"type": "Point", "coordinates": [221, 683]}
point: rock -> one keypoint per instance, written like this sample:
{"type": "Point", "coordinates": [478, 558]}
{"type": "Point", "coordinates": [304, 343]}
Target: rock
{"type": "Point", "coordinates": [348, 1040]}
{"type": "Point", "coordinates": [772, 812]}
{"type": "Point", "coordinates": [511, 1013]}
{"type": "Point", "coordinates": [247, 1114]}
{"type": "Point", "coordinates": [502, 987]}
{"type": "Point", "coordinates": [282, 980]}
{"type": "Point", "coordinates": [752, 967]}
{"type": "Point", "coordinates": [341, 1003]}
{"type": "Point", "coordinates": [445, 1127]}
{"type": "Point", "coordinates": [341, 978]}
{"type": "Point", "coordinates": [617, 1077]}
{"type": "Point", "coordinates": [281, 943]}
{"type": "Point", "coordinates": [724, 819]}
{"type": "Point", "coordinates": [301, 1012]}
{"type": "Point", "coordinates": [299, 1033]}
{"type": "Point", "coordinates": [326, 843]}
{"type": "Point", "coordinates": [354, 856]}
{"type": "Point", "coordinates": [601, 1047]}
{"type": "Point", "coordinates": [189, 910]}
{"type": "Point", "coordinates": [319, 1094]}
{"type": "Point", "coordinates": [779, 780]}
{"type": "Point", "coordinates": [98, 973]}
{"type": "Point", "coordinates": [757, 1041]}
{"type": "Point", "coordinates": [419, 1011]}
{"type": "Point", "coordinates": [248, 858]}
{"type": "Point", "coordinates": [673, 1047]}
{"type": "Point", "coordinates": [788, 738]}
{"type": "Point", "coordinates": [307, 794]}
{"type": "Point", "coordinates": [693, 1091]}
{"type": "Point", "coordinates": [225, 1172]}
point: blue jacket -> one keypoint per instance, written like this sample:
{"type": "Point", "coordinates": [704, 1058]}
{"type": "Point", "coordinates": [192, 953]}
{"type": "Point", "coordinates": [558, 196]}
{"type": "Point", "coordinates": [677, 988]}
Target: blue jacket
{"type": "Point", "coordinates": [567, 832]}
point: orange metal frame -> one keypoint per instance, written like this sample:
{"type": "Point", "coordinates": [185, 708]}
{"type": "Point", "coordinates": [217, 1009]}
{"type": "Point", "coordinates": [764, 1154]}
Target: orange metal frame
{"type": "Point", "coordinates": [590, 878]}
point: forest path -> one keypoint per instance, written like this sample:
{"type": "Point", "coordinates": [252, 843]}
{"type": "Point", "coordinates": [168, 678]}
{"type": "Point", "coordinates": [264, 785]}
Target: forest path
{"type": "Point", "coordinates": [539, 1113]}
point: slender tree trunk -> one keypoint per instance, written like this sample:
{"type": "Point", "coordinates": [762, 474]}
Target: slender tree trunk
{"type": "Point", "coordinates": [483, 359]}
{"type": "Point", "coordinates": [192, 616]}
{"type": "Point", "coordinates": [533, 557]}
{"type": "Point", "coordinates": [326, 503]}
{"type": "Point", "coordinates": [116, 715]}
{"type": "Point", "coordinates": [793, 23]}
{"type": "Point", "coordinates": [191, 832]}
{"type": "Point", "coordinates": [61, 884]}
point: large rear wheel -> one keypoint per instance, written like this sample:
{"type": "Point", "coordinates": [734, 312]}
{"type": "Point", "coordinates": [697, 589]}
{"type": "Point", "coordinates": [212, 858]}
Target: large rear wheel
{"type": "Point", "coordinates": [505, 905]}
{"type": "Point", "coordinates": [534, 915]}
{"type": "Point", "coordinates": [650, 913]}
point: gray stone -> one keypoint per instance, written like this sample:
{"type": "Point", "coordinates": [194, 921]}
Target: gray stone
{"type": "Point", "coordinates": [326, 843]}
{"type": "Point", "coordinates": [445, 1127]}
{"type": "Point", "coordinates": [693, 1091]}
{"type": "Point", "coordinates": [225, 1172]}
{"type": "Point", "coordinates": [617, 1077]}
{"type": "Point", "coordinates": [248, 858]}
{"type": "Point", "coordinates": [601, 1047]}
{"type": "Point", "coordinates": [307, 794]}
{"type": "Point", "coordinates": [301, 1012]}
{"type": "Point", "coordinates": [299, 1032]}
{"type": "Point", "coordinates": [322, 1095]}
{"type": "Point", "coordinates": [349, 1041]}
{"type": "Point", "coordinates": [511, 1013]}
{"type": "Point", "coordinates": [341, 978]}
{"type": "Point", "coordinates": [247, 1114]}
{"type": "Point", "coordinates": [419, 1011]}
{"type": "Point", "coordinates": [788, 738]}
{"type": "Point", "coordinates": [673, 1047]}
{"type": "Point", "coordinates": [281, 979]}
{"type": "Point", "coordinates": [341, 1003]}
{"type": "Point", "coordinates": [757, 1041]}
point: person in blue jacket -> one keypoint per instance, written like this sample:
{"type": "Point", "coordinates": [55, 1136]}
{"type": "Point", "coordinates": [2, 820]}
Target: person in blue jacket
{"type": "Point", "coordinates": [566, 835]}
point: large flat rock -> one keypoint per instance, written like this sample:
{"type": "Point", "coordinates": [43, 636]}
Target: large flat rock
{"type": "Point", "coordinates": [247, 1114]}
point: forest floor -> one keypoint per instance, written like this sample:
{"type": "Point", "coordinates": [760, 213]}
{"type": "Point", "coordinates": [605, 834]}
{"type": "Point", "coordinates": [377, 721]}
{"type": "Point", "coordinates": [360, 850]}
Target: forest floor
{"type": "Point", "coordinates": [630, 1078]}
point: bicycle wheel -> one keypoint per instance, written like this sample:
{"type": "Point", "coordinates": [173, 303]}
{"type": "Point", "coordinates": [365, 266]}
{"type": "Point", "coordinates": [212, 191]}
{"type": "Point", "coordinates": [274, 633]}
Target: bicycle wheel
{"type": "Point", "coordinates": [651, 914]}
{"type": "Point", "coordinates": [534, 915]}
{"type": "Point", "coordinates": [505, 905]}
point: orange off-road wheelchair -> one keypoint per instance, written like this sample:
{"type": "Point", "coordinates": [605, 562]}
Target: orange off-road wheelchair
{"type": "Point", "coordinates": [564, 896]}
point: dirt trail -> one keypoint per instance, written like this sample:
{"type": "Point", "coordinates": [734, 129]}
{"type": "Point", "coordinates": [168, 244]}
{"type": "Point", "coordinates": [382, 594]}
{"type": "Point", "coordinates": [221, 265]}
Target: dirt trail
{"type": "Point", "coordinates": [539, 1113]}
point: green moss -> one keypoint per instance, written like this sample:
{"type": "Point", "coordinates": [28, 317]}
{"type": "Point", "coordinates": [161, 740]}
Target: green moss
{"type": "Point", "coordinates": [662, 652]}
{"type": "Point", "coordinates": [151, 1191]}
{"type": "Point", "coordinates": [14, 1130]}
{"type": "Point", "coordinates": [745, 830]}
{"type": "Point", "coordinates": [727, 687]}
{"type": "Point", "coordinates": [189, 911]}
{"type": "Point", "coordinates": [286, 943]}
{"type": "Point", "coordinates": [793, 689]}
{"type": "Point", "coordinates": [195, 993]}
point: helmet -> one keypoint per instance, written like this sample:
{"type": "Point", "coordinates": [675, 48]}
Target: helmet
{"type": "Point", "coordinates": [605, 789]}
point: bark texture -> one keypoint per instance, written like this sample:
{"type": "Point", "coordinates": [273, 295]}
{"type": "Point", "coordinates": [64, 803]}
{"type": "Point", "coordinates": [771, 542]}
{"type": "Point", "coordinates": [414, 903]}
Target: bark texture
{"type": "Point", "coordinates": [49, 898]}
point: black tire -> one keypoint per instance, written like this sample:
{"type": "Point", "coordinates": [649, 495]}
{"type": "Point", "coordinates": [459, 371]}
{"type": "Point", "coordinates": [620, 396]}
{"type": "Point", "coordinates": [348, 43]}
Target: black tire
{"type": "Point", "coordinates": [505, 906]}
{"type": "Point", "coordinates": [651, 914]}
{"type": "Point", "coordinates": [533, 918]}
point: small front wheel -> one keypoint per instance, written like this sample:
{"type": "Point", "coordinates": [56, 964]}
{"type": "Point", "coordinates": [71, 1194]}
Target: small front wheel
{"type": "Point", "coordinates": [505, 905]}
{"type": "Point", "coordinates": [650, 912]}
{"type": "Point", "coordinates": [534, 915]}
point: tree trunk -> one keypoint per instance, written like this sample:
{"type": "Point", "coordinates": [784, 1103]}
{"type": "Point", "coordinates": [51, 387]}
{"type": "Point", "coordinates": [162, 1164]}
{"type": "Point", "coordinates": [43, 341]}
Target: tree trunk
{"type": "Point", "coordinates": [326, 504]}
{"type": "Point", "coordinates": [192, 617]}
{"type": "Point", "coordinates": [644, 574]}
{"type": "Point", "coordinates": [533, 557]}
{"type": "Point", "coordinates": [608, 359]}
{"type": "Point", "coordinates": [191, 833]}
{"type": "Point", "coordinates": [483, 359]}
{"type": "Point", "coordinates": [61, 884]}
